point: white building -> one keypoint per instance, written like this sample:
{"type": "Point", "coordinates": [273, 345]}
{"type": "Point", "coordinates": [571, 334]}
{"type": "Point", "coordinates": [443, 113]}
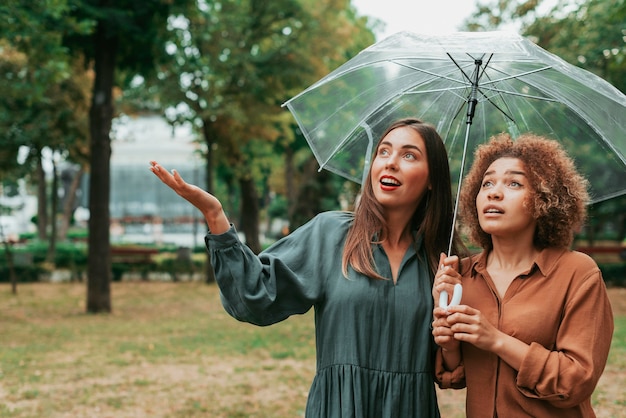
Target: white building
{"type": "Point", "coordinates": [142, 208]}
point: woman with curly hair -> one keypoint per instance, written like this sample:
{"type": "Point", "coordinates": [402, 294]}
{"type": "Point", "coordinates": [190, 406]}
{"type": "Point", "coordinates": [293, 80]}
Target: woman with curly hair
{"type": "Point", "coordinates": [532, 335]}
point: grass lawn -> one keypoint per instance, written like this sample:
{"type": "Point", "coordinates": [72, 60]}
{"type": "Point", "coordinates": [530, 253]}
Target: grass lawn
{"type": "Point", "coordinates": [170, 350]}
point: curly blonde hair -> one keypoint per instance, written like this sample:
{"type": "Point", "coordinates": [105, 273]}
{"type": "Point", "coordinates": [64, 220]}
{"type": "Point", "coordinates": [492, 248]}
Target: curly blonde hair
{"type": "Point", "coordinates": [558, 196]}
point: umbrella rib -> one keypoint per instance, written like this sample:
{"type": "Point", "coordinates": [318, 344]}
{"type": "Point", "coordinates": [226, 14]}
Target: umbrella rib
{"type": "Point", "coordinates": [452, 90]}
{"type": "Point", "coordinates": [513, 93]}
{"type": "Point", "coordinates": [430, 73]}
{"type": "Point", "coordinates": [484, 67]}
{"type": "Point", "coordinates": [486, 86]}
{"type": "Point", "coordinates": [340, 144]}
{"type": "Point", "coordinates": [496, 106]}
{"type": "Point", "coordinates": [517, 76]}
{"type": "Point", "coordinates": [468, 78]}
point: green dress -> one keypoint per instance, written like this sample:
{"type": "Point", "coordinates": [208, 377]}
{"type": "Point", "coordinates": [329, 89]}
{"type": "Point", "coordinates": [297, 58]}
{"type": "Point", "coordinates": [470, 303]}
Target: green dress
{"type": "Point", "coordinates": [373, 338]}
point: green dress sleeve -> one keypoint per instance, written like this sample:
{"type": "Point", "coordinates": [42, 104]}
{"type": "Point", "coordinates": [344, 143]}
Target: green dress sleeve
{"type": "Point", "coordinates": [286, 279]}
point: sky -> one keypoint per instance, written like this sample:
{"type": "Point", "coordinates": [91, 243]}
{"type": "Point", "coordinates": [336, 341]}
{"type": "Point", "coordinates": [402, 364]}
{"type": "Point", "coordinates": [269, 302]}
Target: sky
{"type": "Point", "coordinates": [420, 16]}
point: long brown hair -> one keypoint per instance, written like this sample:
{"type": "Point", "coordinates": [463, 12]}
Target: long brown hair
{"type": "Point", "coordinates": [432, 219]}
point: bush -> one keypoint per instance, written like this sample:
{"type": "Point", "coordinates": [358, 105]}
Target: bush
{"type": "Point", "coordinates": [71, 255]}
{"type": "Point", "coordinates": [614, 274]}
{"type": "Point", "coordinates": [24, 274]}
{"type": "Point", "coordinates": [29, 259]}
{"type": "Point", "coordinates": [78, 234]}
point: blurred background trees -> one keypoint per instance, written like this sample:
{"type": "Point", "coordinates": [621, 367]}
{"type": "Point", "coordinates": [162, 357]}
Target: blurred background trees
{"type": "Point", "coordinates": [588, 33]}
{"type": "Point", "coordinates": [223, 68]}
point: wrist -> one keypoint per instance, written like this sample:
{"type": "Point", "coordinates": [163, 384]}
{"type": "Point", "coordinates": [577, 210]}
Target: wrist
{"type": "Point", "coordinates": [451, 347]}
{"type": "Point", "coordinates": [217, 221]}
{"type": "Point", "coordinates": [497, 345]}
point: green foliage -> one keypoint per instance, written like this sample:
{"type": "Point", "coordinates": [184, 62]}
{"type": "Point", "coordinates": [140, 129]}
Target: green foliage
{"type": "Point", "coordinates": [278, 207]}
{"type": "Point", "coordinates": [45, 103]}
{"type": "Point", "coordinates": [77, 234]}
{"type": "Point", "coordinates": [614, 274]}
{"type": "Point", "coordinates": [589, 35]}
{"type": "Point", "coordinates": [138, 26]}
{"type": "Point", "coordinates": [234, 63]}
{"type": "Point", "coordinates": [69, 255]}
{"type": "Point", "coordinates": [25, 274]}
{"type": "Point", "coordinates": [586, 33]}
{"type": "Point", "coordinates": [606, 221]}
{"type": "Point", "coordinates": [30, 259]}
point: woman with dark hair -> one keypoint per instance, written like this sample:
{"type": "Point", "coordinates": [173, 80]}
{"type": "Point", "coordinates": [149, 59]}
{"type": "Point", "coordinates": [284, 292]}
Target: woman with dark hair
{"type": "Point", "coordinates": [532, 335]}
{"type": "Point", "coordinates": [367, 274]}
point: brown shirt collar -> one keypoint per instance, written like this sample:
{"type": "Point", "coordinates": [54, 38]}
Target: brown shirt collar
{"type": "Point", "coordinates": [545, 261]}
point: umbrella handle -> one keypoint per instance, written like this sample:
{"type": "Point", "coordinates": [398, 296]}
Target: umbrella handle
{"type": "Point", "coordinates": [456, 297]}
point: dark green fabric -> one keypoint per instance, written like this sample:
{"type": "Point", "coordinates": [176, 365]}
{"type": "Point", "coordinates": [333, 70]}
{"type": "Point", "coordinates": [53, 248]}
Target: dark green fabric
{"type": "Point", "coordinates": [374, 343]}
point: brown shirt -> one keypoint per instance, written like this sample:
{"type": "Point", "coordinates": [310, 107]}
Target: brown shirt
{"type": "Point", "coordinates": [561, 308]}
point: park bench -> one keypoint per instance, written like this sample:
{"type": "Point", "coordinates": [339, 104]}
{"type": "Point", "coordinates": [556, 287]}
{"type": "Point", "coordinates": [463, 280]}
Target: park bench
{"type": "Point", "coordinates": [604, 253]}
{"type": "Point", "coordinates": [132, 259]}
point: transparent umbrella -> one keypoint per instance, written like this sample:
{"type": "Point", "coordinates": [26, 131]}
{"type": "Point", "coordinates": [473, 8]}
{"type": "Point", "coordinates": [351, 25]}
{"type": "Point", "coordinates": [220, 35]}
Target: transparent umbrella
{"type": "Point", "coordinates": [470, 85]}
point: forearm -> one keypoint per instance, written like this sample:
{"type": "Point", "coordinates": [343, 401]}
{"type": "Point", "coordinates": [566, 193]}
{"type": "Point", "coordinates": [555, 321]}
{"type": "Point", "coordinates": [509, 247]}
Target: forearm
{"type": "Point", "coordinates": [451, 358]}
{"type": "Point", "coordinates": [449, 369]}
{"type": "Point", "coordinates": [510, 349]}
{"type": "Point", "coordinates": [216, 220]}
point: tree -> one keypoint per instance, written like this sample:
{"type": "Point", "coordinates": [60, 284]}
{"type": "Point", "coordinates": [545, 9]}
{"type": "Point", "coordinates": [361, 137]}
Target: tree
{"type": "Point", "coordinates": [11, 61]}
{"type": "Point", "coordinates": [33, 112]}
{"type": "Point", "coordinates": [587, 33]}
{"type": "Point", "coordinates": [590, 35]}
{"type": "Point", "coordinates": [235, 62]}
{"type": "Point", "coordinates": [353, 33]}
{"type": "Point", "coordinates": [128, 37]}
{"type": "Point", "coordinates": [41, 106]}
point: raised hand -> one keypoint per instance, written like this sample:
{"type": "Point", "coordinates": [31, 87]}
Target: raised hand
{"type": "Point", "coordinates": [205, 202]}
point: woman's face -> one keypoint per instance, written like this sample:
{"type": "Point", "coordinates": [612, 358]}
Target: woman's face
{"type": "Point", "coordinates": [400, 174]}
{"type": "Point", "coordinates": [502, 200]}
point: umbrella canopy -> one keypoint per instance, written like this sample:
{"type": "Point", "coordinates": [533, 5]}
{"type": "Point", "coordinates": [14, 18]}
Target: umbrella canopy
{"type": "Point", "coordinates": [470, 85]}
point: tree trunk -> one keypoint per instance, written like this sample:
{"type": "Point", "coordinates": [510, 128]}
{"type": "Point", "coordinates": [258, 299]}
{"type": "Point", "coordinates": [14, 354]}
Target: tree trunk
{"type": "Point", "coordinates": [54, 202]}
{"type": "Point", "coordinates": [208, 137]}
{"type": "Point", "coordinates": [70, 201]}
{"type": "Point", "coordinates": [100, 117]}
{"type": "Point", "coordinates": [312, 193]}
{"type": "Point", "coordinates": [42, 200]}
{"type": "Point", "coordinates": [250, 214]}
{"type": "Point", "coordinates": [9, 256]}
